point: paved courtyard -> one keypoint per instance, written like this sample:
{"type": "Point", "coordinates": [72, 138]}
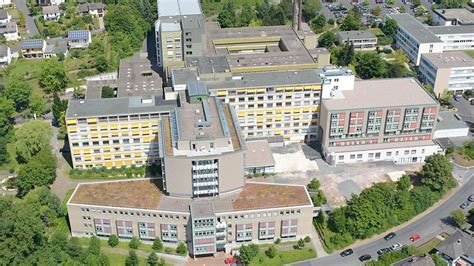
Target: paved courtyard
{"type": "Point", "coordinates": [338, 182]}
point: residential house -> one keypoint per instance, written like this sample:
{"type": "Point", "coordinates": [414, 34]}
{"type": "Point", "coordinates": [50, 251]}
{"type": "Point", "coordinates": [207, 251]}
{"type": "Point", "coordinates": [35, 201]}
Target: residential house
{"type": "Point", "coordinates": [5, 56]}
{"type": "Point", "coordinates": [10, 31]}
{"type": "Point", "coordinates": [457, 249]}
{"type": "Point", "coordinates": [5, 17]}
{"type": "Point", "coordinates": [51, 13]}
{"type": "Point", "coordinates": [360, 39]}
{"type": "Point", "coordinates": [79, 38]}
{"type": "Point", "coordinates": [50, 2]}
{"type": "Point", "coordinates": [93, 9]}
{"type": "Point", "coordinates": [33, 48]}
{"type": "Point", "coordinates": [5, 3]}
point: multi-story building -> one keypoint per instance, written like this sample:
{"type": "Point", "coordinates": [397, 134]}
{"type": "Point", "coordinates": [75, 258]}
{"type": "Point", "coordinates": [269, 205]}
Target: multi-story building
{"type": "Point", "coordinates": [453, 17]}
{"type": "Point", "coordinates": [448, 71]}
{"type": "Point", "coordinates": [391, 119]}
{"type": "Point", "coordinates": [455, 37]}
{"type": "Point", "coordinates": [180, 31]}
{"type": "Point", "coordinates": [414, 39]}
{"type": "Point", "coordinates": [204, 199]}
{"type": "Point", "coordinates": [277, 103]}
{"type": "Point", "coordinates": [360, 39]}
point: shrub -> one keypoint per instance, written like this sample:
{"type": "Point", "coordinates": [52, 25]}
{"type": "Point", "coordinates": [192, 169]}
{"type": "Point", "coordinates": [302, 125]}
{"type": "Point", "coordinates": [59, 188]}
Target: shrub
{"type": "Point", "coordinates": [157, 245]}
{"type": "Point", "coordinates": [271, 252]}
{"type": "Point", "coordinates": [301, 243]}
{"type": "Point", "coordinates": [331, 21]}
{"type": "Point", "coordinates": [113, 240]}
{"type": "Point", "coordinates": [248, 252]}
{"type": "Point", "coordinates": [278, 241]}
{"type": "Point", "coordinates": [168, 250]}
{"type": "Point", "coordinates": [181, 249]}
{"type": "Point", "coordinates": [307, 239]}
{"type": "Point", "coordinates": [134, 243]}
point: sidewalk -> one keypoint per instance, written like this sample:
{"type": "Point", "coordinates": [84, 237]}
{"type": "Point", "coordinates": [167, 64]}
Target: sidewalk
{"type": "Point", "coordinates": [318, 246]}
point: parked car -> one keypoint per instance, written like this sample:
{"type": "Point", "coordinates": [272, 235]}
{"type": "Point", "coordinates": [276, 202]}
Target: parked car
{"type": "Point", "coordinates": [347, 252]}
{"type": "Point", "coordinates": [365, 257]}
{"type": "Point", "coordinates": [471, 198]}
{"type": "Point", "coordinates": [231, 261]}
{"type": "Point", "coordinates": [383, 251]}
{"type": "Point", "coordinates": [464, 205]}
{"type": "Point", "coordinates": [396, 246]}
{"type": "Point", "coordinates": [415, 237]}
{"type": "Point", "coordinates": [457, 97]}
{"type": "Point", "coordinates": [469, 95]}
{"type": "Point", "coordinates": [390, 236]}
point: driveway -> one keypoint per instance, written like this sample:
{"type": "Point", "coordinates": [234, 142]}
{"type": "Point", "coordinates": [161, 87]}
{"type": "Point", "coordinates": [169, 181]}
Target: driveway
{"type": "Point", "coordinates": [465, 110]}
{"type": "Point", "coordinates": [30, 21]}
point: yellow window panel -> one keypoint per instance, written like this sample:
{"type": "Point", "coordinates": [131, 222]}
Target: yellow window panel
{"type": "Point", "coordinates": [127, 162]}
{"type": "Point", "coordinates": [97, 158]}
{"type": "Point", "coordinates": [154, 123]}
{"type": "Point", "coordinates": [91, 120]}
{"type": "Point", "coordinates": [146, 139]}
{"type": "Point", "coordinates": [278, 111]}
{"type": "Point", "coordinates": [113, 126]}
{"type": "Point", "coordinates": [287, 111]}
{"type": "Point", "coordinates": [154, 131]}
{"type": "Point", "coordinates": [72, 129]}
{"type": "Point", "coordinates": [286, 137]}
{"type": "Point", "coordinates": [124, 126]}
{"type": "Point", "coordinates": [277, 132]}
{"type": "Point", "coordinates": [155, 139]}
{"type": "Point", "coordinates": [296, 117]}
{"type": "Point", "coordinates": [93, 127]}
{"type": "Point", "coordinates": [260, 112]}
{"type": "Point", "coordinates": [260, 120]}
{"type": "Point", "coordinates": [251, 90]}
{"type": "Point", "coordinates": [261, 90]}
{"type": "Point", "coordinates": [104, 127]}
{"type": "Point", "coordinates": [106, 149]}
{"type": "Point", "coordinates": [316, 88]}
{"type": "Point", "coordinates": [315, 108]}
{"type": "Point", "coordinates": [280, 89]}
{"type": "Point", "coordinates": [135, 125]}
{"type": "Point", "coordinates": [144, 123]}
{"type": "Point", "coordinates": [108, 164]}
{"type": "Point", "coordinates": [288, 94]}
{"type": "Point", "coordinates": [241, 114]}
{"type": "Point", "coordinates": [76, 152]}
{"type": "Point", "coordinates": [94, 135]}
{"type": "Point", "coordinates": [135, 132]}
{"type": "Point", "coordinates": [71, 122]}
{"type": "Point", "coordinates": [137, 154]}
{"type": "Point", "coordinates": [85, 151]}
{"type": "Point", "coordinates": [221, 93]}
{"type": "Point", "coordinates": [307, 109]}
{"type": "Point", "coordinates": [118, 163]}
{"type": "Point", "coordinates": [297, 110]}
{"type": "Point", "coordinates": [278, 118]}
{"type": "Point", "coordinates": [107, 157]}
{"type": "Point", "coordinates": [289, 88]}
{"type": "Point", "coordinates": [298, 88]}
{"type": "Point", "coordinates": [88, 158]}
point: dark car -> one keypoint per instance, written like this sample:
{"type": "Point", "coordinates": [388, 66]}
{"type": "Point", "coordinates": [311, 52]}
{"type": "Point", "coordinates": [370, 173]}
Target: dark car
{"type": "Point", "coordinates": [347, 252]}
{"type": "Point", "coordinates": [365, 257]}
{"type": "Point", "coordinates": [390, 236]}
{"type": "Point", "coordinates": [383, 251]}
{"type": "Point", "coordinates": [471, 198]}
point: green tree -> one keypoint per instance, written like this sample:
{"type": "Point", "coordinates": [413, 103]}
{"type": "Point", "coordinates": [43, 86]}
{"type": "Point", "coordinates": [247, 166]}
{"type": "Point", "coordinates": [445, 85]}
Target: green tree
{"type": "Point", "coordinates": [39, 171]}
{"type": "Point", "coordinates": [248, 252]}
{"type": "Point", "coordinates": [113, 240]}
{"type": "Point", "coordinates": [318, 23]}
{"type": "Point", "coordinates": [37, 104]}
{"type": "Point", "coordinates": [346, 54]}
{"type": "Point", "coordinates": [271, 252]}
{"type": "Point", "coordinates": [395, 70]}
{"type": "Point", "coordinates": [134, 243]}
{"type": "Point", "coordinates": [389, 27]}
{"type": "Point", "coordinates": [31, 138]}
{"type": "Point", "coordinates": [311, 9]}
{"type": "Point", "coordinates": [101, 63]}
{"type": "Point", "coordinates": [301, 243]}
{"type": "Point", "coordinates": [132, 259]}
{"type": "Point", "coordinates": [52, 76]}
{"type": "Point", "coordinates": [152, 259]}
{"type": "Point", "coordinates": [438, 260]}
{"type": "Point", "coordinates": [459, 218]}
{"type": "Point", "coordinates": [404, 183]}
{"type": "Point", "coordinates": [246, 16]}
{"type": "Point", "coordinates": [6, 112]}
{"type": "Point", "coordinates": [227, 16]}
{"type": "Point", "coordinates": [351, 22]}
{"type": "Point", "coordinates": [59, 106]}
{"type": "Point", "coordinates": [74, 247]}
{"type": "Point", "coordinates": [181, 249]}
{"type": "Point", "coordinates": [18, 91]}
{"type": "Point", "coordinates": [107, 92]}
{"type": "Point", "coordinates": [437, 173]}
{"type": "Point", "coordinates": [327, 39]}
{"type": "Point", "coordinates": [376, 11]}
{"type": "Point", "coordinates": [370, 65]}
{"type": "Point", "coordinates": [314, 184]}
{"type": "Point", "coordinates": [451, 3]}
{"type": "Point", "coordinates": [157, 244]}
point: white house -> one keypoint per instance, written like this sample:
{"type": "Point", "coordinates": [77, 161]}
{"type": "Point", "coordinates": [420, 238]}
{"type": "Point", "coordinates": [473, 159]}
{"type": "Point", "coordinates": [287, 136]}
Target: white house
{"type": "Point", "coordinates": [5, 17]}
{"type": "Point", "coordinates": [51, 13]}
{"type": "Point", "coordinates": [50, 2]}
{"type": "Point", "coordinates": [10, 31]}
{"type": "Point", "coordinates": [79, 38]}
{"type": "Point", "coordinates": [5, 56]}
{"type": "Point", "coordinates": [5, 3]}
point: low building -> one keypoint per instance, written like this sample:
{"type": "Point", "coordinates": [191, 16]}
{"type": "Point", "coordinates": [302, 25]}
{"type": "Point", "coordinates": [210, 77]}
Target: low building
{"type": "Point", "coordinates": [448, 71]}
{"type": "Point", "coordinates": [453, 17]}
{"type": "Point", "coordinates": [5, 56]}
{"type": "Point", "coordinates": [10, 31]}
{"type": "Point", "coordinates": [5, 17]}
{"type": "Point", "coordinates": [79, 39]}
{"type": "Point", "coordinates": [4, 3]}
{"type": "Point", "coordinates": [379, 120]}
{"type": "Point", "coordinates": [93, 9]}
{"type": "Point", "coordinates": [416, 261]}
{"type": "Point", "coordinates": [414, 39]}
{"type": "Point", "coordinates": [455, 38]}
{"type": "Point", "coordinates": [321, 56]}
{"type": "Point", "coordinates": [33, 48]}
{"type": "Point", "coordinates": [51, 13]}
{"type": "Point", "coordinates": [450, 125]}
{"type": "Point", "coordinates": [259, 158]}
{"type": "Point", "coordinates": [457, 249]}
{"type": "Point", "coordinates": [50, 2]}
{"type": "Point", "coordinates": [360, 39]}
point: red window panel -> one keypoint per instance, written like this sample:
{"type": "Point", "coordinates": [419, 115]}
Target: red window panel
{"type": "Point", "coordinates": [128, 223]}
{"type": "Point", "coordinates": [271, 224]}
{"type": "Point", "coordinates": [248, 226]}
{"type": "Point", "coordinates": [284, 230]}
{"type": "Point", "coordinates": [106, 221]}
{"type": "Point", "coordinates": [293, 229]}
{"type": "Point", "coordinates": [151, 226]}
{"type": "Point", "coordinates": [379, 114]}
{"type": "Point", "coordinates": [413, 125]}
{"type": "Point", "coordinates": [210, 248]}
{"type": "Point", "coordinates": [294, 222]}
{"type": "Point", "coordinates": [120, 231]}
{"type": "Point", "coordinates": [107, 230]}
{"type": "Point", "coordinates": [97, 221]}
{"type": "Point", "coordinates": [285, 222]}
{"type": "Point", "coordinates": [342, 116]}
{"type": "Point", "coordinates": [120, 223]}
{"type": "Point", "coordinates": [263, 225]}
{"type": "Point", "coordinates": [341, 123]}
{"type": "Point", "coordinates": [240, 227]}
{"type": "Point", "coordinates": [151, 233]}
{"type": "Point", "coordinates": [164, 227]}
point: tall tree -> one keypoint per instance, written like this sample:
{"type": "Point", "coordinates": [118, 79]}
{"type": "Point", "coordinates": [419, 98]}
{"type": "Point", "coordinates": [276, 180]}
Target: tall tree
{"type": "Point", "coordinates": [370, 65]}
{"type": "Point", "coordinates": [59, 106]}
{"type": "Point", "coordinates": [37, 104]}
{"type": "Point", "coordinates": [318, 23]}
{"type": "Point", "coordinates": [18, 91]}
{"type": "Point", "coordinates": [327, 39]}
{"type": "Point", "coordinates": [389, 27]}
{"type": "Point", "coordinates": [6, 112]}
{"type": "Point", "coordinates": [31, 138]}
{"type": "Point", "coordinates": [52, 77]}
{"type": "Point", "coordinates": [39, 171]}
{"type": "Point", "coordinates": [437, 173]}
{"type": "Point", "coordinates": [132, 259]}
{"type": "Point", "coordinates": [227, 17]}
{"type": "Point", "coordinates": [346, 55]}
{"type": "Point", "coordinates": [459, 218]}
{"type": "Point", "coordinates": [351, 22]}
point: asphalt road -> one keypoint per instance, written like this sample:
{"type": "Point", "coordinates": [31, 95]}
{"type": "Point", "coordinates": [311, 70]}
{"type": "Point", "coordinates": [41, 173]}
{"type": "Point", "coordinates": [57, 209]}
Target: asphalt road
{"type": "Point", "coordinates": [30, 21]}
{"type": "Point", "coordinates": [430, 225]}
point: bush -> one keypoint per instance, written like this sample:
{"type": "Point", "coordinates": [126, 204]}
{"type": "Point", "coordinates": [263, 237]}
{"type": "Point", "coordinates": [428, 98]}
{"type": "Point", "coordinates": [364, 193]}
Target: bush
{"type": "Point", "coordinates": [278, 241]}
{"type": "Point", "coordinates": [157, 245]}
{"type": "Point", "coordinates": [248, 252]}
{"type": "Point", "coordinates": [168, 250]}
{"type": "Point", "coordinates": [134, 243]}
{"type": "Point", "coordinates": [307, 239]}
{"type": "Point", "coordinates": [181, 249]}
{"type": "Point", "coordinates": [301, 243]}
{"type": "Point", "coordinates": [113, 240]}
{"type": "Point", "coordinates": [271, 252]}
{"type": "Point", "coordinates": [331, 21]}
{"type": "Point", "coordinates": [384, 40]}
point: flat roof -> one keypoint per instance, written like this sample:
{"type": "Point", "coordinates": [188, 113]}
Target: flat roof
{"type": "Point", "coordinates": [202, 209]}
{"type": "Point", "coordinates": [137, 78]}
{"type": "Point", "coordinates": [118, 106]}
{"type": "Point", "coordinates": [381, 93]}
{"type": "Point", "coordinates": [415, 28]}
{"type": "Point", "coordinates": [209, 64]}
{"type": "Point", "coordinates": [449, 59]}
{"type": "Point", "coordinates": [140, 194]}
{"type": "Point", "coordinates": [443, 30]}
{"type": "Point", "coordinates": [447, 120]}
{"type": "Point", "coordinates": [50, 9]}
{"type": "Point", "coordinates": [146, 194]}
{"type": "Point", "coordinates": [272, 37]}
{"type": "Point", "coordinates": [258, 154]}
{"type": "Point", "coordinates": [356, 35]}
{"type": "Point", "coordinates": [170, 26]}
{"type": "Point", "coordinates": [461, 14]}
{"type": "Point", "coordinates": [168, 8]}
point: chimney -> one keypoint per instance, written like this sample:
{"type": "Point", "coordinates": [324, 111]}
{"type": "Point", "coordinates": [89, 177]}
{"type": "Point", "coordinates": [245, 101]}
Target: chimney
{"type": "Point", "coordinates": [297, 5]}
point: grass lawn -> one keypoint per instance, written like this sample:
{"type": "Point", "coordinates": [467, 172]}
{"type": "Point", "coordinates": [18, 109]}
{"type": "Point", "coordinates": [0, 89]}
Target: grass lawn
{"type": "Point", "coordinates": [283, 257]}
{"type": "Point", "coordinates": [470, 52]}
{"type": "Point", "coordinates": [62, 227]}
{"type": "Point", "coordinates": [428, 246]}
{"type": "Point", "coordinates": [376, 32]}
{"type": "Point", "coordinates": [122, 244]}
{"type": "Point", "coordinates": [13, 163]}
{"type": "Point", "coordinates": [116, 259]}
